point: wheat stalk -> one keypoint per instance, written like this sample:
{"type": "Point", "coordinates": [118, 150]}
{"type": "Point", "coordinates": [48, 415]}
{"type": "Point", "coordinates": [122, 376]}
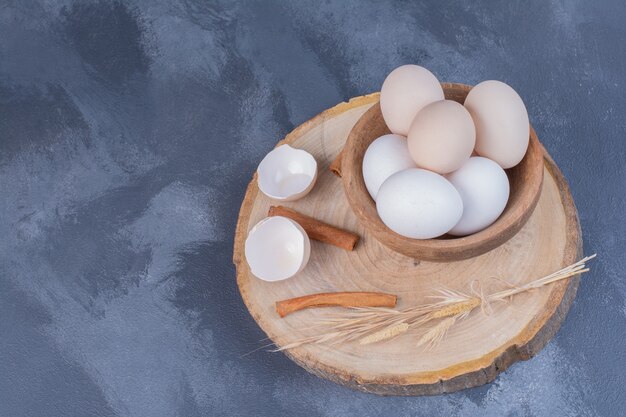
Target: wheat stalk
{"type": "Point", "coordinates": [385, 334]}
{"type": "Point", "coordinates": [435, 334]}
{"type": "Point", "coordinates": [376, 324]}
{"type": "Point", "coordinates": [457, 308]}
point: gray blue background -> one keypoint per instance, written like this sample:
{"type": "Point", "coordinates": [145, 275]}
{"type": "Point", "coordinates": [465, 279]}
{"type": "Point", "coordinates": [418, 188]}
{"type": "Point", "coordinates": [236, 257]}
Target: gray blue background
{"type": "Point", "coordinates": [128, 133]}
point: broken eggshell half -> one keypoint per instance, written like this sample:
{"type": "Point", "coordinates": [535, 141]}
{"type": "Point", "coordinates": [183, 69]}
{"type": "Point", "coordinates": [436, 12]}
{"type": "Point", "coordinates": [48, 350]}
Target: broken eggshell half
{"type": "Point", "coordinates": [277, 248]}
{"type": "Point", "coordinates": [287, 173]}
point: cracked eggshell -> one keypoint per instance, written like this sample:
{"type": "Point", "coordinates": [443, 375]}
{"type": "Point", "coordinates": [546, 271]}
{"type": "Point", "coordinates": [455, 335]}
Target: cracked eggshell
{"type": "Point", "coordinates": [277, 248]}
{"type": "Point", "coordinates": [384, 157]}
{"type": "Point", "coordinates": [405, 91]}
{"type": "Point", "coordinates": [501, 120]}
{"type": "Point", "coordinates": [286, 173]}
{"type": "Point", "coordinates": [419, 204]}
{"type": "Point", "coordinates": [484, 189]}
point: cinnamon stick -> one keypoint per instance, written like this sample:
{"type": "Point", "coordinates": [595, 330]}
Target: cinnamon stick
{"type": "Point", "coordinates": [335, 166]}
{"type": "Point", "coordinates": [336, 299]}
{"type": "Point", "coordinates": [318, 230]}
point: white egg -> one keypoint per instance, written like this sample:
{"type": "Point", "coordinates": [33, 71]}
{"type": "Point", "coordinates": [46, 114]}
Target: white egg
{"type": "Point", "coordinates": [384, 157]}
{"type": "Point", "coordinates": [484, 189]}
{"type": "Point", "coordinates": [277, 248]}
{"type": "Point", "coordinates": [406, 90]}
{"type": "Point", "coordinates": [287, 173]}
{"type": "Point", "coordinates": [501, 120]}
{"type": "Point", "coordinates": [419, 204]}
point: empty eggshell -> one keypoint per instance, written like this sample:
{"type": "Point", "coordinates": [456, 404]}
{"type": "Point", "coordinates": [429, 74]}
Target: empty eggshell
{"type": "Point", "coordinates": [442, 136]}
{"type": "Point", "coordinates": [277, 248]}
{"type": "Point", "coordinates": [406, 90]}
{"type": "Point", "coordinates": [501, 119]}
{"type": "Point", "coordinates": [287, 173]}
{"type": "Point", "coordinates": [419, 204]}
{"type": "Point", "coordinates": [484, 189]}
{"type": "Point", "coordinates": [384, 157]}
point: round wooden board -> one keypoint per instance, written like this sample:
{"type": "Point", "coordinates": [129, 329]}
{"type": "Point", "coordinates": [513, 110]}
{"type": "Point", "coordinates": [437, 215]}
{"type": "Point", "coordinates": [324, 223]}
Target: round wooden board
{"type": "Point", "coordinates": [476, 349]}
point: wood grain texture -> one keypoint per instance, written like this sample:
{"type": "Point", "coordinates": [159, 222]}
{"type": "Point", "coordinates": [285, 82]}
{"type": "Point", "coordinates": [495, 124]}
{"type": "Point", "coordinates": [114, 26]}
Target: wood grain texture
{"type": "Point", "coordinates": [525, 184]}
{"type": "Point", "coordinates": [476, 349]}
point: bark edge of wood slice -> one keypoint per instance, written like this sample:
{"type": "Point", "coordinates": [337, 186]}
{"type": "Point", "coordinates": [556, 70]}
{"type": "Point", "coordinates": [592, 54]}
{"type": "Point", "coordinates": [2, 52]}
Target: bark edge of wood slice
{"type": "Point", "coordinates": [550, 240]}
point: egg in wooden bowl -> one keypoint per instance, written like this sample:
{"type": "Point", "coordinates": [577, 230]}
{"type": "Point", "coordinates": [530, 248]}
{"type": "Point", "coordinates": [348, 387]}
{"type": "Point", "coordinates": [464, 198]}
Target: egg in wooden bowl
{"type": "Point", "coordinates": [525, 181]}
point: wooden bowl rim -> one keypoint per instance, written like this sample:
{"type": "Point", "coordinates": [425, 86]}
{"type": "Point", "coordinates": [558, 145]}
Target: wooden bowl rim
{"type": "Point", "coordinates": [449, 248]}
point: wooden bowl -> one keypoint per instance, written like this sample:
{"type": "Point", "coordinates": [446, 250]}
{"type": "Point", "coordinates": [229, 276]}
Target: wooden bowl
{"type": "Point", "coordinates": [525, 180]}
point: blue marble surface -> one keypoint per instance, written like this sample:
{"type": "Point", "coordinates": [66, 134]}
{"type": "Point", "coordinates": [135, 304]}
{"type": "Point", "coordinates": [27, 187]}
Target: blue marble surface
{"type": "Point", "coordinates": [128, 133]}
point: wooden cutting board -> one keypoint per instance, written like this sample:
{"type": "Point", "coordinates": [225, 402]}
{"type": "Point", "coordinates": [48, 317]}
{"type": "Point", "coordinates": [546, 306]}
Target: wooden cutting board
{"type": "Point", "coordinates": [476, 349]}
